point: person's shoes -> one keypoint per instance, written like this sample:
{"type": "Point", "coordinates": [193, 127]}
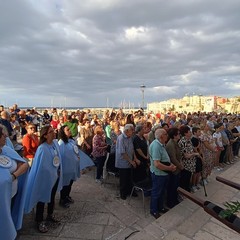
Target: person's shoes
{"type": "Point", "coordinates": [134, 194]}
{"type": "Point", "coordinates": [180, 198]}
{"type": "Point", "coordinates": [98, 181]}
{"type": "Point", "coordinates": [64, 203]}
{"type": "Point", "coordinates": [69, 200]}
{"type": "Point", "coordinates": [164, 210]}
{"type": "Point", "coordinates": [52, 218]}
{"type": "Point", "coordinates": [123, 197]}
{"type": "Point", "coordinates": [156, 215]}
{"type": "Point", "coordinates": [42, 227]}
{"type": "Point", "coordinates": [193, 189]}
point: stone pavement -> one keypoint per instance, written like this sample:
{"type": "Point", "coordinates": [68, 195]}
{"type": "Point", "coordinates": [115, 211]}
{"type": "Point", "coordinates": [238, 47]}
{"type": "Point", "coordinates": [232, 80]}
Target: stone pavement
{"type": "Point", "coordinates": [99, 214]}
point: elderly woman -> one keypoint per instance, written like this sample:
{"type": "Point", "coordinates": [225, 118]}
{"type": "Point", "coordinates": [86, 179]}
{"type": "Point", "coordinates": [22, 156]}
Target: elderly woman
{"type": "Point", "coordinates": [30, 143]}
{"type": "Point", "coordinates": [45, 178]}
{"type": "Point", "coordinates": [115, 132]}
{"type": "Point", "coordinates": [174, 153]}
{"type": "Point", "coordinates": [87, 137]}
{"type": "Point", "coordinates": [188, 157]}
{"type": "Point", "coordinates": [141, 152]}
{"type": "Point", "coordinates": [12, 181]}
{"type": "Point", "coordinates": [70, 164]}
{"type": "Point", "coordinates": [99, 151]}
{"type": "Point", "coordinates": [209, 150]}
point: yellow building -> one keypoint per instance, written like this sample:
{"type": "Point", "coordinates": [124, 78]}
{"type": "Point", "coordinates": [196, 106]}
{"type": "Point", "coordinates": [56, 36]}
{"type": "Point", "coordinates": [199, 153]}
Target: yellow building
{"type": "Point", "coordinates": [195, 103]}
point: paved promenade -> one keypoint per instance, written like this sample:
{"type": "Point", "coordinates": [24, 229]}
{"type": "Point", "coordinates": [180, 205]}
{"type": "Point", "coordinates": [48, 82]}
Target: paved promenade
{"type": "Point", "coordinates": [99, 214]}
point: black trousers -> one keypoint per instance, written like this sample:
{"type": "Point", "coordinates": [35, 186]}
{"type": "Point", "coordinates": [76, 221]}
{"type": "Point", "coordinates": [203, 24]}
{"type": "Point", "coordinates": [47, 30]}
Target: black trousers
{"type": "Point", "coordinates": [185, 179]}
{"type": "Point", "coordinates": [66, 190]}
{"type": "Point", "coordinates": [235, 147]}
{"type": "Point", "coordinates": [100, 163]}
{"type": "Point", "coordinates": [40, 205]}
{"type": "Point", "coordinates": [222, 155]}
{"type": "Point", "coordinates": [172, 185]}
{"type": "Point", "coordinates": [125, 181]}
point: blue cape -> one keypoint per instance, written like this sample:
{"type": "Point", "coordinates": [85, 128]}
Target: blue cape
{"type": "Point", "coordinates": [42, 177]}
{"type": "Point", "coordinates": [11, 221]}
{"type": "Point", "coordinates": [70, 161]}
{"type": "Point", "coordinates": [85, 160]}
{"type": "Point", "coordinates": [7, 229]}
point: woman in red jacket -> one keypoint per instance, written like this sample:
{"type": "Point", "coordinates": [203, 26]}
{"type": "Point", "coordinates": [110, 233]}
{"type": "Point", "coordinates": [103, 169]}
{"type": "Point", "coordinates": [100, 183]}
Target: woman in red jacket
{"type": "Point", "coordinates": [30, 143]}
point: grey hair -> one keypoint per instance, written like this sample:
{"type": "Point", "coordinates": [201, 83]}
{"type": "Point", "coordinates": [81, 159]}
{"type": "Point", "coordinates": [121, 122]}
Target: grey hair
{"type": "Point", "coordinates": [159, 133]}
{"type": "Point", "coordinates": [128, 127]}
{"type": "Point", "coordinates": [138, 128]}
{"type": "Point", "coordinates": [4, 129]}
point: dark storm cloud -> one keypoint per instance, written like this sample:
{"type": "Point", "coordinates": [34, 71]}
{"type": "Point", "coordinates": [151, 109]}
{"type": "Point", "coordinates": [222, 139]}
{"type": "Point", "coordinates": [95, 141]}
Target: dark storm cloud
{"type": "Point", "coordinates": [98, 52]}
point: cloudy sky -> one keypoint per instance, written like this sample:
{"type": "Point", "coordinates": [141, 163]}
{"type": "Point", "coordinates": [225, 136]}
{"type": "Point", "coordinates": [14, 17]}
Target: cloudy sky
{"type": "Point", "coordinates": [98, 53]}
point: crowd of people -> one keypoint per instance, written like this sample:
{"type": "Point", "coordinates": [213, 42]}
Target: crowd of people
{"type": "Point", "coordinates": [170, 150]}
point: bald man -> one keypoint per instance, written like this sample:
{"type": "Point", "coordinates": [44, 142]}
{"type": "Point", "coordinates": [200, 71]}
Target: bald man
{"type": "Point", "coordinates": [160, 166]}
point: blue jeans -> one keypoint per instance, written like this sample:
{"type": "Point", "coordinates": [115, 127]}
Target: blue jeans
{"type": "Point", "coordinates": [159, 184]}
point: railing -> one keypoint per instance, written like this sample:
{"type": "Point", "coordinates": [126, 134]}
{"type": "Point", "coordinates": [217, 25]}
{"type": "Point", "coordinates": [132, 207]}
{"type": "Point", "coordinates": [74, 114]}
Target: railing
{"type": "Point", "coordinates": [232, 221]}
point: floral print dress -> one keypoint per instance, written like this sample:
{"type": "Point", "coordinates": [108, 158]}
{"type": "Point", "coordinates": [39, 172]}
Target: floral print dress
{"type": "Point", "coordinates": [187, 147]}
{"type": "Point", "coordinates": [208, 155]}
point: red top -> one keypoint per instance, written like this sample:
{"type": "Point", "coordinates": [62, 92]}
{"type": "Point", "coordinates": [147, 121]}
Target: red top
{"type": "Point", "coordinates": [30, 144]}
{"type": "Point", "coordinates": [54, 124]}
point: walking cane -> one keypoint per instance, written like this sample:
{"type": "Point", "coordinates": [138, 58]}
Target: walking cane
{"type": "Point", "coordinates": [204, 187]}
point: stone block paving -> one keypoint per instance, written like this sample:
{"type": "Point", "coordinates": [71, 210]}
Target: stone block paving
{"type": "Point", "coordinates": [98, 214]}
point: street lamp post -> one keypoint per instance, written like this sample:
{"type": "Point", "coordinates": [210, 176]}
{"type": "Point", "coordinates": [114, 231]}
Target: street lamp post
{"type": "Point", "coordinates": [142, 87]}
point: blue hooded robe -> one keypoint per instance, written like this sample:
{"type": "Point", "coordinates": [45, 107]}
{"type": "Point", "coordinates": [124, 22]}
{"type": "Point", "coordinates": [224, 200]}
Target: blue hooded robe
{"type": "Point", "coordinates": [11, 220]}
{"type": "Point", "coordinates": [70, 161]}
{"type": "Point", "coordinates": [43, 175]}
{"type": "Point", "coordinates": [85, 160]}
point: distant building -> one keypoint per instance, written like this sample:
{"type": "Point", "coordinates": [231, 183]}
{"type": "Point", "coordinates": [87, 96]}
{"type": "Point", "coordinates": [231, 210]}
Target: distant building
{"type": "Point", "coordinates": [195, 103]}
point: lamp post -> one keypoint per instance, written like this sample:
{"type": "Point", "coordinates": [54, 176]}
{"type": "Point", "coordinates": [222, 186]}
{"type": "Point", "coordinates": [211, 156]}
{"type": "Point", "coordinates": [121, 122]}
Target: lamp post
{"type": "Point", "coordinates": [142, 87]}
